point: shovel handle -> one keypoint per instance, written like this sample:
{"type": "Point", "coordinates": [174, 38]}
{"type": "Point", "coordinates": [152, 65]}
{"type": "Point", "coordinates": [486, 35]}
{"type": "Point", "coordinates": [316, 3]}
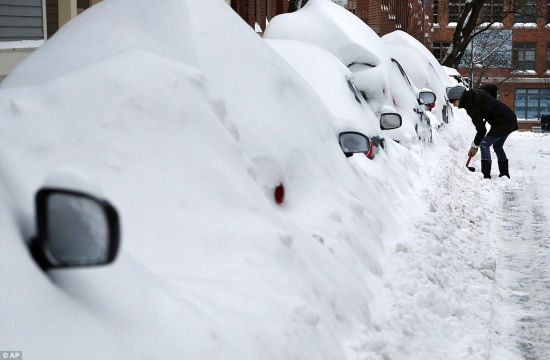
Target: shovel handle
{"type": "Point", "coordinates": [468, 162]}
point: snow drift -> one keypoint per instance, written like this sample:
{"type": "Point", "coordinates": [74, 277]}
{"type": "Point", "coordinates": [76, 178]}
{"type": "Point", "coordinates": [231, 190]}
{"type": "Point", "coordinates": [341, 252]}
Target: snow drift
{"type": "Point", "coordinates": [186, 130]}
{"type": "Point", "coordinates": [358, 47]}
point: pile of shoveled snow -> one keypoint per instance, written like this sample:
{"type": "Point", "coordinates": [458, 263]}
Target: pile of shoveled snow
{"type": "Point", "coordinates": [358, 47]}
{"type": "Point", "coordinates": [187, 135]}
{"type": "Point", "coordinates": [187, 130]}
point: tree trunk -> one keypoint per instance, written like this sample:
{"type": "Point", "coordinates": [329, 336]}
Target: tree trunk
{"type": "Point", "coordinates": [464, 32]}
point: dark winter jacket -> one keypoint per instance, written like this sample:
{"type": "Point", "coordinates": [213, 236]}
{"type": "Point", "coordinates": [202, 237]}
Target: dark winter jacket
{"type": "Point", "coordinates": [482, 106]}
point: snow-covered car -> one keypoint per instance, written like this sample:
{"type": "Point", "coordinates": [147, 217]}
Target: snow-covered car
{"type": "Point", "coordinates": [335, 85]}
{"type": "Point", "coordinates": [423, 69]}
{"type": "Point", "coordinates": [456, 77]}
{"type": "Point", "coordinates": [359, 48]}
{"type": "Point", "coordinates": [192, 154]}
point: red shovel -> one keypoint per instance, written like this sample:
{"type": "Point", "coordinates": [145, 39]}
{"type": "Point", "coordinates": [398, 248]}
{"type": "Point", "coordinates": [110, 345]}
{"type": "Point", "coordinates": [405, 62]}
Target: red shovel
{"type": "Point", "coordinates": [471, 168]}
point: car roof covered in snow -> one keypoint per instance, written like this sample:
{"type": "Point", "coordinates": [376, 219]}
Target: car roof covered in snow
{"type": "Point", "coordinates": [333, 82]}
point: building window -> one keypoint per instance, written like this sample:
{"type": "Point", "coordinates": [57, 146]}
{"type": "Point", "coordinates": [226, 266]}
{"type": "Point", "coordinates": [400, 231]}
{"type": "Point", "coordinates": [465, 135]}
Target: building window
{"type": "Point", "coordinates": [530, 104]}
{"type": "Point", "coordinates": [436, 11]}
{"type": "Point", "coordinates": [523, 56]}
{"type": "Point", "coordinates": [525, 11]}
{"type": "Point", "coordinates": [548, 11]}
{"type": "Point", "coordinates": [456, 8]}
{"type": "Point", "coordinates": [492, 11]}
{"type": "Point", "coordinates": [548, 57]}
{"type": "Point", "coordinates": [439, 49]}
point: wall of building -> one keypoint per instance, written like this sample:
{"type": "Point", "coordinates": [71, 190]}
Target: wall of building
{"type": "Point", "coordinates": [385, 16]}
{"type": "Point", "coordinates": [258, 11]}
{"type": "Point", "coordinates": [22, 29]}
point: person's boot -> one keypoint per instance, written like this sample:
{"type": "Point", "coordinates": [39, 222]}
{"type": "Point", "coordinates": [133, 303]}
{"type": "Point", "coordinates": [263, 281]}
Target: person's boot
{"type": "Point", "coordinates": [503, 168]}
{"type": "Point", "coordinates": [486, 168]}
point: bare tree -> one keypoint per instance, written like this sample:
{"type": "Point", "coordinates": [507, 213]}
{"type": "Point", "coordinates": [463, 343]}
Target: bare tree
{"type": "Point", "coordinates": [490, 49]}
{"type": "Point", "coordinates": [470, 25]}
{"type": "Point", "coordinates": [466, 30]}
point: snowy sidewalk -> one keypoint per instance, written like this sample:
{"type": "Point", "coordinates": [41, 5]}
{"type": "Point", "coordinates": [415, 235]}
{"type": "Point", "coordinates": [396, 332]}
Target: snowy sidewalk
{"type": "Point", "coordinates": [521, 319]}
{"type": "Point", "coordinates": [469, 280]}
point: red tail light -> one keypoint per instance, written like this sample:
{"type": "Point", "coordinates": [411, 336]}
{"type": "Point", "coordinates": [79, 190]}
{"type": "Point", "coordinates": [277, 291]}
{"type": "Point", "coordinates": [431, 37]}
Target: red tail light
{"type": "Point", "coordinates": [370, 154]}
{"type": "Point", "coordinates": [279, 194]}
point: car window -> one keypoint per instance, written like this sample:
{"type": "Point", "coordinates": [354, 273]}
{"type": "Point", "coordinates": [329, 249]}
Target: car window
{"type": "Point", "coordinates": [402, 71]}
{"type": "Point", "coordinates": [353, 88]}
{"type": "Point", "coordinates": [358, 63]}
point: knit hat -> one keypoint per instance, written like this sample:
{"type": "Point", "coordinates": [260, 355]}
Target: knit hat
{"type": "Point", "coordinates": [455, 93]}
{"type": "Point", "coordinates": [491, 89]}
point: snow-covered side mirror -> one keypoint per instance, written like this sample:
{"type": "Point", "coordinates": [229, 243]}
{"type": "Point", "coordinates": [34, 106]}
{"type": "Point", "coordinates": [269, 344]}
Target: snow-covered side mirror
{"type": "Point", "coordinates": [354, 142]}
{"type": "Point", "coordinates": [75, 229]}
{"type": "Point", "coordinates": [426, 98]}
{"type": "Point", "coordinates": [389, 121]}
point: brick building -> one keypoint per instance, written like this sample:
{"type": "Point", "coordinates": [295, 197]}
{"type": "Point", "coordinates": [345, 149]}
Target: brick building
{"type": "Point", "coordinates": [385, 16]}
{"type": "Point", "coordinates": [258, 11]}
{"type": "Point", "coordinates": [522, 68]}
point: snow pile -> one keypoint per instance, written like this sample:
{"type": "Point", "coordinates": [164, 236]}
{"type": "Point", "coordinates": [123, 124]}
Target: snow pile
{"type": "Point", "coordinates": [187, 130]}
{"type": "Point", "coordinates": [401, 37]}
{"type": "Point", "coordinates": [348, 109]}
{"type": "Point", "coordinates": [330, 26]}
{"type": "Point", "coordinates": [434, 74]}
{"type": "Point", "coordinates": [436, 297]}
{"type": "Point", "coordinates": [422, 67]}
{"type": "Point", "coordinates": [357, 46]}
{"type": "Point", "coordinates": [187, 136]}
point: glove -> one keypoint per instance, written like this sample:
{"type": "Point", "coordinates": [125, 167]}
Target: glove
{"type": "Point", "coordinates": [472, 152]}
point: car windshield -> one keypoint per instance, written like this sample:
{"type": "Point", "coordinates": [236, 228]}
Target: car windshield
{"type": "Point", "coordinates": [354, 90]}
{"type": "Point", "coordinates": [402, 71]}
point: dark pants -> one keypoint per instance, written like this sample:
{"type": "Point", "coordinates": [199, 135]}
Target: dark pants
{"type": "Point", "coordinates": [497, 142]}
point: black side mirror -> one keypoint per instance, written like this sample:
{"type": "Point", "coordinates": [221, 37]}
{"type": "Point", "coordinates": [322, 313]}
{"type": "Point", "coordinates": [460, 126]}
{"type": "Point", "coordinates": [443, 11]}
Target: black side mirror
{"type": "Point", "coordinates": [75, 229]}
{"type": "Point", "coordinates": [426, 97]}
{"type": "Point", "coordinates": [389, 121]}
{"type": "Point", "coordinates": [353, 142]}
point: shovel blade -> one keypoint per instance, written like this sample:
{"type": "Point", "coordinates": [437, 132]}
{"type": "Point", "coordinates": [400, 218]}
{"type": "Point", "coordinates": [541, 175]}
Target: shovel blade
{"type": "Point", "coordinates": [472, 169]}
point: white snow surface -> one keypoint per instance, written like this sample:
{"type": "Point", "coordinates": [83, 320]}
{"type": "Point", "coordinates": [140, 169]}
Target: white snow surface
{"type": "Point", "coordinates": [421, 66]}
{"type": "Point", "coordinates": [524, 26]}
{"type": "Point", "coordinates": [357, 46]}
{"type": "Point", "coordinates": [186, 131]}
{"type": "Point", "coordinates": [330, 26]}
{"type": "Point", "coordinates": [328, 77]}
{"type": "Point", "coordinates": [187, 137]}
{"type": "Point", "coordinates": [402, 38]}
{"type": "Point", "coordinates": [451, 71]}
{"type": "Point", "coordinates": [20, 44]}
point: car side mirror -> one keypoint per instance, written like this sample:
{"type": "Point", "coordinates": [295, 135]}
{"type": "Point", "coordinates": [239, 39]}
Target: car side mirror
{"type": "Point", "coordinates": [426, 97]}
{"type": "Point", "coordinates": [75, 229]}
{"type": "Point", "coordinates": [389, 121]}
{"type": "Point", "coordinates": [354, 142]}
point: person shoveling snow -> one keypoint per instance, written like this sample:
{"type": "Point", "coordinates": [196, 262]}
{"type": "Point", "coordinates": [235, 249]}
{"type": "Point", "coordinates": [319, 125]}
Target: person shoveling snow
{"type": "Point", "coordinates": [481, 106]}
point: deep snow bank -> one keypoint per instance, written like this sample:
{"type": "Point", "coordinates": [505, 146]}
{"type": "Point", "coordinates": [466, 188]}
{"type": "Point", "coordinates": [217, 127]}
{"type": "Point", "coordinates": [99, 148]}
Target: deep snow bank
{"type": "Point", "coordinates": [187, 135]}
{"type": "Point", "coordinates": [186, 130]}
{"type": "Point", "coordinates": [358, 47]}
